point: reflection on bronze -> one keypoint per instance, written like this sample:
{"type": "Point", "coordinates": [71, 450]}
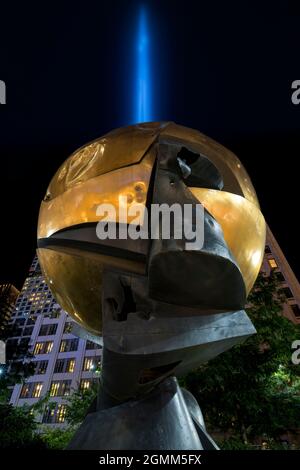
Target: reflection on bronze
{"type": "Point", "coordinates": [79, 203]}
{"type": "Point", "coordinates": [117, 149]}
{"type": "Point", "coordinates": [243, 226]}
{"type": "Point", "coordinates": [76, 281]}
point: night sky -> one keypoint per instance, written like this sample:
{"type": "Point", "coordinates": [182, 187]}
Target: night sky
{"type": "Point", "coordinates": [217, 67]}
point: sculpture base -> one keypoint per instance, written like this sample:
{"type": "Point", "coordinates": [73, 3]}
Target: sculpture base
{"type": "Point", "coordinates": [168, 418]}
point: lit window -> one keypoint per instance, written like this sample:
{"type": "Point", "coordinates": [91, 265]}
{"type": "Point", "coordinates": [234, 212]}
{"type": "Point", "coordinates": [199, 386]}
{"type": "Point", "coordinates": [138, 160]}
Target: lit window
{"type": "Point", "coordinates": [61, 413]}
{"type": "Point", "coordinates": [63, 345]}
{"type": "Point", "coordinates": [43, 347]}
{"type": "Point", "coordinates": [36, 392]}
{"type": "Point", "coordinates": [60, 388]}
{"type": "Point", "coordinates": [88, 364]}
{"type": "Point", "coordinates": [49, 346]}
{"type": "Point", "coordinates": [68, 345]}
{"type": "Point", "coordinates": [55, 414]}
{"type": "Point", "coordinates": [272, 263]}
{"type": "Point", "coordinates": [70, 365]}
{"type": "Point", "coordinates": [85, 384]}
{"type": "Point", "coordinates": [25, 391]}
{"type": "Point", "coordinates": [38, 348]}
{"type": "Point", "coordinates": [31, 390]}
{"type": "Point", "coordinates": [54, 389]}
{"type": "Point", "coordinates": [64, 365]}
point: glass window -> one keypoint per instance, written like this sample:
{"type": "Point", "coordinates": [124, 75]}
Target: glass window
{"type": "Point", "coordinates": [25, 391]}
{"type": "Point", "coordinates": [55, 414]}
{"type": "Point", "coordinates": [36, 392]}
{"type": "Point", "coordinates": [49, 413]}
{"type": "Point", "coordinates": [91, 345]}
{"type": "Point", "coordinates": [272, 263]}
{"type": "Point", "coordinates": [48, 347]}
{"type": "Point", "coordinates": [28, 331]}
{"type": "Point", "coordinates": [68, 327]}
{"type": "Point", "coordinates": [91, 363]}
{"type": "Point", "coordinates": [38, 348]}
{"type": "Point", "coordinates": [31, 390]}
{"type": "Point", "coordinates": [296, 310]}
{"type": "Point", "coordinates": [41, 367]}
{"type": "Point", "coordinates": [43, 330]}
{"type": "Point", "coordinates": [88, 364]}
{"type": "Point", "coordinates": [63, 346]}
{"type": "Point", "coordinates": [286, 291]}
{"type": "Point", "coordinates": [60, 388]}
{"type": "Point", "coordinates": [54, 313]}
{"type": "Point", "coordinates": [70, 365]}
{"type": "Point", "coordinates": [61, 413]}
{"type": "Point", "coordinates": [54, 389]}
{"type": "Point", "coordinates": [59, 366]}
{"type": "Point", "coordinates": [44, 347]}
{"type": "Point", "coordinates": [67, 345]}
{"type": "Point", "coordinates": [47, 330]}
{"type": "Point", "coordinates": [52, 329]}
{"type": "Point", "coordinates": [280, 277]}
{"type": "Point", "coordinates": [64, 365]}
{"type": "Point", "coordinates": [85, 384]}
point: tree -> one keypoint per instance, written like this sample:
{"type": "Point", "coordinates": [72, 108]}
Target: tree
{"type": "Point", "coordinates": [56, 438]}
{"type": "Point", "coordinates": [19, 366]}
{"type": "Point", "coordinates": [18, 428]}
{"type": "Point", "coordinates": [78, 404]}
{"type": "Point", "coordinates": [253, 389]}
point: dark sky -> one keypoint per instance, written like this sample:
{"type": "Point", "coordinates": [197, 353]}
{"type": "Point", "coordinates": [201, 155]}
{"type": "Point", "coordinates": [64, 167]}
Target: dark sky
{"type": "Point", "coordinates": [218, 67]}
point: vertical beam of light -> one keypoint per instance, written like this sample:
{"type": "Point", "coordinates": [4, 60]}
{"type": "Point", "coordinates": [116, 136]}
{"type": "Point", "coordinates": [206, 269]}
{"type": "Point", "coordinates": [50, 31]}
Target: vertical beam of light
{"type": "Point", "coordinates": [142, 111]}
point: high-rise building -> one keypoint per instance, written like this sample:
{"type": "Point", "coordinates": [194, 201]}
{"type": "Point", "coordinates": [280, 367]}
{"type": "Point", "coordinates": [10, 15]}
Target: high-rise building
{"type": "Point", "coordinates": [65, 362]}
{"type": "Point", "coordinates": [8, 298]}
{"type": "Point", "coordinates": [274, 260]}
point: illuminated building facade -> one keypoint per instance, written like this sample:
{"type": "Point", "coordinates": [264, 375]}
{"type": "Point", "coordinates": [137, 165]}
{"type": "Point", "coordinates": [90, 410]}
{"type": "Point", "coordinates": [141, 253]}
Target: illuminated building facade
{"type": "Point", "coordinates": [63, 362]}
{"type": "Point", "coordinates": [8, 298]}
{"type": "Point", "coordinates": [274, 260]}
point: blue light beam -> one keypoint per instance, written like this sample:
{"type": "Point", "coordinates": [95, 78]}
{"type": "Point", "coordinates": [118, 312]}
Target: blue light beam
{"type": "Point", "coordinates": [143, 80]}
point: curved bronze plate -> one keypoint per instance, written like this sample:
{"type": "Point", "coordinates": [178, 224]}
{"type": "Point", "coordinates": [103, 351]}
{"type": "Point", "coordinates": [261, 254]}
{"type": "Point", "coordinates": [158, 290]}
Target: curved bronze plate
{"type": "Point", "coordinates": [75, 280]}
{"type": "Point", "coordinates": [79, 204]}
{"type": "Point", "coordinates": [243, 226]}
